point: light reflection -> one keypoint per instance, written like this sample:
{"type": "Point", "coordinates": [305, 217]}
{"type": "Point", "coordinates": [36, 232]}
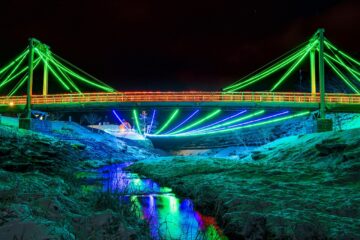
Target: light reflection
{"type": "Point", "coordinates": [167, 215]}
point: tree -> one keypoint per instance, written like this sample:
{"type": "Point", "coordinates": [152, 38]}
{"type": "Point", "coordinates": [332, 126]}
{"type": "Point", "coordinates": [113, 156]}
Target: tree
{"type": "Point", "coordinates": [90, 118]}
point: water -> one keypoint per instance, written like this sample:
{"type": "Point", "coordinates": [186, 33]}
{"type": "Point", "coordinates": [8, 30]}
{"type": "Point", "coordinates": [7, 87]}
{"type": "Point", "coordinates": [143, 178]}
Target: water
{"type": "Point", "coordinates": [168, 216]}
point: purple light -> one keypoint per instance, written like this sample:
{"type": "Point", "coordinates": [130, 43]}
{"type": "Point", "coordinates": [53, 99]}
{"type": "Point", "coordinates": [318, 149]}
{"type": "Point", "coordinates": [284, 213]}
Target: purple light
{"type": "Point", "coordinates": [252, 121]}
{"type": "Point", "coordinates": [119, 119]}
{"type": "Point", "coordinates": [223, 120]}
{"type": "Point", "coordinates": [152, 121]}
{"type": "Point", "coordinates": [187, 119]}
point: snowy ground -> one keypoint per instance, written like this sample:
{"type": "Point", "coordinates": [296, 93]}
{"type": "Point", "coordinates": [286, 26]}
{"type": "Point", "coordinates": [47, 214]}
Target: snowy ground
{"type": "Point", "coordinates": [43, 194]}
{"type": "Point", "coordinates": [299, 187]}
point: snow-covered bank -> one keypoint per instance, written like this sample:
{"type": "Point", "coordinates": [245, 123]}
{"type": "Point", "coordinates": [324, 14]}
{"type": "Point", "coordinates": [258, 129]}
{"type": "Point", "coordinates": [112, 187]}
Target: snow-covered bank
{"type": "Point", "coordinates": [42, 194]}
{"type": "Point", "coordinates": [299, 187]}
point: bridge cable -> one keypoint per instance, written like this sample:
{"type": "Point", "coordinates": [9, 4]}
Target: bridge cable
{"type": "Point", "coordinates": [8, 78]}
{"type": "Point", "coordinates": [341, 63]}
{"type": "Point", "coordinates": [23, 80]}
{"type": "Point", "coordinates": [82, 71]}
{"type": "Point", "coordinates": [267, 71]}
{"type": "Point", "coordinates": [290, 53]}
{"type": "Point", "coordinates": [341, 75]}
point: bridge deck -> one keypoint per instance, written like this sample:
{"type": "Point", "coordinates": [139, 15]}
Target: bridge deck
{"type": "Point", "coordinates": [335, 102]}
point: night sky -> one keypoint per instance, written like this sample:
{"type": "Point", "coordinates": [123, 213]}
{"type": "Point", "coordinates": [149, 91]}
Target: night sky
{"type": "Point", "coordinates": [174, 45]}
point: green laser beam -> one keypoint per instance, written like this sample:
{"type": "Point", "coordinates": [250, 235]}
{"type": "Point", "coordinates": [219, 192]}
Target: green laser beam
{"type": "Point", "coordinates": [207, 117]}
{"type": "Point", "coordinates": [237, 128]}
{"type": "Point", "coordinates": [236, 120]}
{"type": "Point", "coordinates": [170, 119]}
{"type": "Point", "coordinates": [135, 115]}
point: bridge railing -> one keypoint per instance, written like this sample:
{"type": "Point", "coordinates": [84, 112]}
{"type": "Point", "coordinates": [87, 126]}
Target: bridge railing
{"type": "Point", "coordinates": [192, 96]}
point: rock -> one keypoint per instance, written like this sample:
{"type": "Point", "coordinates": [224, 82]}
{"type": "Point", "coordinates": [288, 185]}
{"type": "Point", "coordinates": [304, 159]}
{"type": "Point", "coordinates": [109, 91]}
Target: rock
{"type": "Point", "coordinates": [34, 154]}
{"type": "Point", "coordinates": [4, 151]}
{"type": "Point", "coordinates": [258, 156]}
{"type": "Point", "coordinates": [24, 230]}
{"type": "Point", "coordinates": [327, 148]}
{"type": "Point", "coordinates": [255, 228]}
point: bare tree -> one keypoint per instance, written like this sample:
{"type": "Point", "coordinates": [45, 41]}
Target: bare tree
{"type": "Point", "coordinates": [90, 118]}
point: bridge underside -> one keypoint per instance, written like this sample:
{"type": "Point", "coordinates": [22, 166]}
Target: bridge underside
{"type": "Point", "coordinates": [101, 106]}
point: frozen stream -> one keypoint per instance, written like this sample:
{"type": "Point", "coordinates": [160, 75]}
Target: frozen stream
{"type": "Point", "coordinates": [168, 216]}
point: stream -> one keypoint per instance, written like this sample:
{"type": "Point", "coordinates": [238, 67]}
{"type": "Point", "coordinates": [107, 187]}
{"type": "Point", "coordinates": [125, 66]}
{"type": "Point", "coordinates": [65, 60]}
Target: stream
{"type": "Point", "coordinates": [168, 216]}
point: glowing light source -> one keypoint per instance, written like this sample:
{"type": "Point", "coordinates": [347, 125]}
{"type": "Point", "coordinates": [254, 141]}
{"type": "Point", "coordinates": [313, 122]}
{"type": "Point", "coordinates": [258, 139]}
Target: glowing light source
{"type": "Point", "coordinates": [235, 128]}
{"type": "Point", "coordinates": [231, 122]}
{"type": "Point", "coordinates": [135, 115]}
{"type": "Point", "coordinates": [292, 68]}
{"type": "Point", "coordinates": [207, 117]}
{"type": "Point", "coordinates": [183, 122]}
{"type": "Point", "coordinates": [341, 75]}
{"type": "Point", "coordinates": [117, 116]}
{"type": "Point", "coordinates": [223, 120]}
{"type": "Point", "coordinates": [152, 121]}
{"type": "Point", "coordinates": [171, 118]}
{"type": "Point", "coordinates": [268, 71]}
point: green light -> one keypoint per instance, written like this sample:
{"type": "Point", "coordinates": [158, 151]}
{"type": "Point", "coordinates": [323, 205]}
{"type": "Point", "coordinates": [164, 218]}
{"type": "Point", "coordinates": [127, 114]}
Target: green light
{"type": "Point", "coordinates": [23, 80]}
{"type": "Point", "coordinates": [237, 128]}
{"type": "Point", "coordinates": [81, 71]}
{"type": "Point", "coordinates": [135, 115]}
{"type": "Point", "coordinates": [341, 62]}
{"type": "Point", "coordinates": [6, 80]}
{"type": "Point", "coordinates": [209, 116]}
{"type": "Point", "coordinates": [292, 68]}
{"type": "Point", "coordinates": [171, 118]}
{"type": "Point", "coordinates": [342, 53]}
{"type": "Point", "coordinates": [266, 72]}
{"type": "Point", "coordinates": [74, 74]}
{"type": "Point", "coordinates": [341, 75]}
{"type": "Point", "coordinates": [25, 52]}
{"type": "Point", "coordinates": [53, 71]}
{"type": "Point", "coordinates": [240, 119]}
{"type": "Point", "coordinates": [68, 79]}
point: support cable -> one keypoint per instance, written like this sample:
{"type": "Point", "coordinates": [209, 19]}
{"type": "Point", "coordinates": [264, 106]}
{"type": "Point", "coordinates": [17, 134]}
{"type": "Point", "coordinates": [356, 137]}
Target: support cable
{"type": "Point", "coordinates": [58, 59]}
{"type": "Point", "coordinates": [342, 76]}
{"type": "Point", "coordinates": [290, 53]}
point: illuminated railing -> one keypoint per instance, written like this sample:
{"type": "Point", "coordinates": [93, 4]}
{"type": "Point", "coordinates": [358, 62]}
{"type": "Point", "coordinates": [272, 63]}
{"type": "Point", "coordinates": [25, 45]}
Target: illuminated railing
{"type": "Point", "coordinates": [281, 97]}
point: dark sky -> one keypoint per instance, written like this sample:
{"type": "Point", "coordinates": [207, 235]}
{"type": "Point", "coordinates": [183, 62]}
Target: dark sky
{"type": "Point", "coordinates": [174, 45]}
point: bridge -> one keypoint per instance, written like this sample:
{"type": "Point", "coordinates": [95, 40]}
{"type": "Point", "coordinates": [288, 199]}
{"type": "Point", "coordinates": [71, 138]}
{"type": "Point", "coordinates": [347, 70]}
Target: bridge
{"type": "Point", "coordinates": [19, 71]}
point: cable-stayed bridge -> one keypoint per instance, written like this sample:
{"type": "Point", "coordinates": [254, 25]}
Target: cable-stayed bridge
{"type": "Point", "coordinates": [17, 80]}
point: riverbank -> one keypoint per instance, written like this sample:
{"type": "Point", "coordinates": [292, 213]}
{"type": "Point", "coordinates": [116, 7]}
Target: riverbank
{"type": "Point", "coordinates": [299, 187]}
{"type": "Point", "coordinates": [42, 196]}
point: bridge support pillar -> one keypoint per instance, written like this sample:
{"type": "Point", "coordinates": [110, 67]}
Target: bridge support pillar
{"type": "Point", "coordinates": [324, 125]}
{"type": "Point", "coordinates": [26, 122]}
{"type": "Point", "coordinates": [313, 72]}
{"type": "Point", "coordinates": [46, 72]}
{"type": "Point", "coordinates": [321, 73]}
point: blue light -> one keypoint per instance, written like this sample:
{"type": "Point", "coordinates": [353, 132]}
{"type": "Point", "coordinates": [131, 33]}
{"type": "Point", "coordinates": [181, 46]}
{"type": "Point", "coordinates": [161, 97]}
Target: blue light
{"type": "Point", "coordinates": [119, 119]}
{"type": "Point", "coordinates": [186, 120]}
{"type": "Point", "coordinates": [152, 121]}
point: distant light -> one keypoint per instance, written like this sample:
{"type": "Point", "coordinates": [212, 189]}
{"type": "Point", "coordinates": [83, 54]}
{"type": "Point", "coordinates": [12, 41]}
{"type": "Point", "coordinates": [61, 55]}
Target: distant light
{"type": "Point", "coordinates": [11, 104]}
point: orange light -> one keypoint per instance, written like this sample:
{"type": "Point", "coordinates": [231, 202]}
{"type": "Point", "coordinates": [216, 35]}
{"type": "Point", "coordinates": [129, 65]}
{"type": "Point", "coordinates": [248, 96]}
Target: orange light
{"type": "Point", "coordinates": [11, 104]}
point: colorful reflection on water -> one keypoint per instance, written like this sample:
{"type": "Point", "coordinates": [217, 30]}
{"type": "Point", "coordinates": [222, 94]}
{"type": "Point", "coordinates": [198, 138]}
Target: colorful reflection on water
{"type": "Point", "coordinates": [168, 216]}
